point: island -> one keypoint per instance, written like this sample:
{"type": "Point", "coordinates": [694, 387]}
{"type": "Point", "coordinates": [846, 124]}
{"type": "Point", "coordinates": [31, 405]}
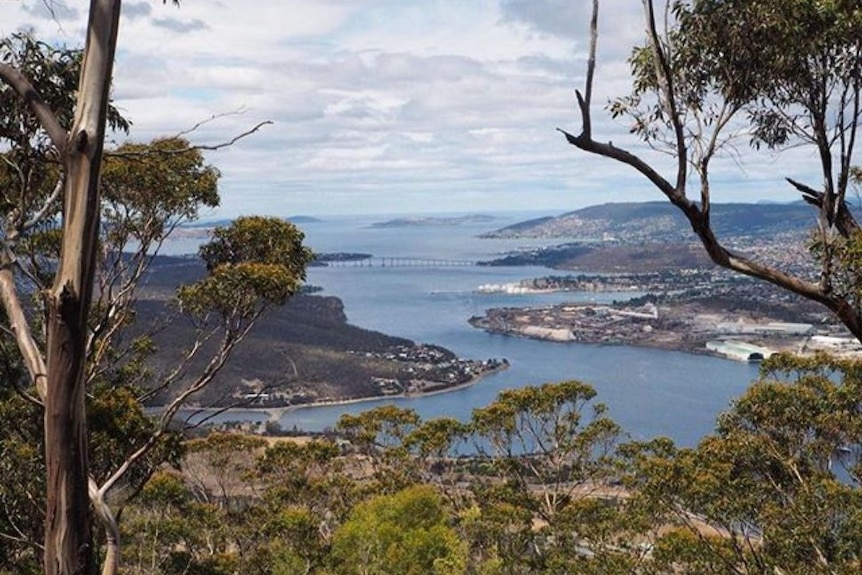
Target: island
{"type": "Point", "coordinates": [421, 221]}
{"type": "Point", "coordinates": [327, 259]}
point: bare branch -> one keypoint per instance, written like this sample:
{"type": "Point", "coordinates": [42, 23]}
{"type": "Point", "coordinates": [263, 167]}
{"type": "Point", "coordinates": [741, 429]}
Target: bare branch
{"type": "Point", "coordinates": [218, 361]}
{"type": "Point", "coordinates": [182, 133]}
{"type": "Point", "coordinates": [610, 151]}
{"type": "Point", "coordinates": [40, 215]}
{"type": "Point", "coordinates": [667, 96]}
{"type": "Point", "coordinates": [585, 100]}
{"type": "Point", "coordinates": [698, 217]}
{"type": "Point", "coordinates": [204, 147]}
{"type": "Point", "coordinates": [18, 82]}
{"type": "Point", "coordinates": [213, 412]}
{"type": "Point", "coordinates": [844, 222]}
{"type": "Point", "coordinates": [179, 370]}
{"type": "Point", "coordinates": [26, 395]}
{"type": "Point", "coordinates": [235, 139]}
{"type": "Point", "coordinates": [108, 521]}
{"type": "Point", "coordinates": [718, 253]}
{"type": "Point", "coordinates": [119, 299]}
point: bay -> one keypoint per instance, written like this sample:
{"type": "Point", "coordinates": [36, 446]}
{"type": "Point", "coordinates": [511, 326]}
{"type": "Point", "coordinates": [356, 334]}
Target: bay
{"type": "Point", "coordinates": [649, 392]}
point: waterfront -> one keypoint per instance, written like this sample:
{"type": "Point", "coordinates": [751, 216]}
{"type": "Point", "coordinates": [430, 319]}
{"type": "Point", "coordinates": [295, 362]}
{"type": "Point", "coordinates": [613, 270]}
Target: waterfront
{"type": "Point", "coordinates": [649, 392]}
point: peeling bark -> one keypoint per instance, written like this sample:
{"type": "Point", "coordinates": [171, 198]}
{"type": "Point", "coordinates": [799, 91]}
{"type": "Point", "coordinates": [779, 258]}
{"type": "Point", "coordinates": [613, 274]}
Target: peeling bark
{"type": "Point", "coordinates": [30, 352]}
{"type": "Point", "coordinates": [68, 530]}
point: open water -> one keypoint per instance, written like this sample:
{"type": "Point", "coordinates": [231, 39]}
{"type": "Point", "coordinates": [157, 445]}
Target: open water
{"type": "Point", "coordinates": [649, 392]}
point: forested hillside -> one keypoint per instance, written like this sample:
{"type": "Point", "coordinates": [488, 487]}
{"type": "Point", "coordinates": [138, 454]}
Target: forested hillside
{"type": "Point", "coordinates": [303, 352]}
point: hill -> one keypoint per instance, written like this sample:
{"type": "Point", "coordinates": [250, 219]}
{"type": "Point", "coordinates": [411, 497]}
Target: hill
{"type": "Point", "coordinates": [609, 257]}
{"type": "Point", "coordinates": [662, 222]}
{"type": "Point", "coordinates": [303, 352]}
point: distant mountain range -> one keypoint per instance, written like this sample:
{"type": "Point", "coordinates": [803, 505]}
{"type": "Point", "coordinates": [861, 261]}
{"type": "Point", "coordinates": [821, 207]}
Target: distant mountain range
{"type": "Point", "coordinates": [661, 221]}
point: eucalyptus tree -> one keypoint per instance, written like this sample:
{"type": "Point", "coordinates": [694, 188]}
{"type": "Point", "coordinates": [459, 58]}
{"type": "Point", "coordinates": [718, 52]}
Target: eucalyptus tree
{"type": "Point", "coordinates": [545, 483]}
{"type": "Point", "coordinates": [58, 373]}
{"type": "Point", "coordinates": [54, 252]}
{"type": "Point", "coordinates": [780, 72]}
{"type": "Point", "coordinates": [382, 435]}
{"type": "Point", "coordinates": [403, 532]}
{"type": "Point", "coordinates": [776, 489]}
{"type": "Point", "coordinates": [309, 490]}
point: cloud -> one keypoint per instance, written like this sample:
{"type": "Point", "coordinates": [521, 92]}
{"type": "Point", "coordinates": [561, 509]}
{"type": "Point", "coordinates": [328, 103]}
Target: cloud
{"type": "Point", "coordinates": [386, 104]}
{"type": "Point", "coordinates": [176, 25]}
{"type": "Point", "coordinates": [556, 17]}
{"type": "Point", "coordinates": [135, 10]}
{"type": "Point", "coordinates": [620, 23]}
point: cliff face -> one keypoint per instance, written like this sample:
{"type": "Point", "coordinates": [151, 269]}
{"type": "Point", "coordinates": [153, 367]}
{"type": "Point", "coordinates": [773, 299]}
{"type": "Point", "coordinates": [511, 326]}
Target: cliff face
{"type": "Point", "coordinates": [323, 309]}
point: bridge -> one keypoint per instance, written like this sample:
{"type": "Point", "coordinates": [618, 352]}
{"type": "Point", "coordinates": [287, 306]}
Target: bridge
{"type": "Point", "coordinates": [399, 262]}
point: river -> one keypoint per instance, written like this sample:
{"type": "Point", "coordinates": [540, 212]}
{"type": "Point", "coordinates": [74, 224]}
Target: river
{"type": "Point", "coordinates": [649, 392]}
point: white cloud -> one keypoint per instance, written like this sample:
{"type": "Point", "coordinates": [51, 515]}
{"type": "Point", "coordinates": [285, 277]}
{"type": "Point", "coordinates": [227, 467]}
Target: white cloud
{"type": "Point", "coordinates": [382, 104]}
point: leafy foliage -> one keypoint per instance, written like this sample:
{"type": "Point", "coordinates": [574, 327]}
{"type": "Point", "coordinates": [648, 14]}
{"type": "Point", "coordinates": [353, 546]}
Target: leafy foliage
{"type": "Point", "coordinates": [147, 190]}
{"type": "Point", "coordinates": [29, 170]}
{"type": "Point", "coordinates": [254, 263]}
{"type": "Point", "coordinates": [401, 533]}
{"type": "Point", "coordinates": [776, 489]}
{"type": "Point", "coordinates": [781, 72]}
{"type": "Point", "coordinates": [150, 188]}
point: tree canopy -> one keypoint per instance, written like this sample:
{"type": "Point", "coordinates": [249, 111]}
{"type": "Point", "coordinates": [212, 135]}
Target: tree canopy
{"type": "Point", "coordinates": [80, 227]}
{"type": "Point", "coordinates": [780, 73]}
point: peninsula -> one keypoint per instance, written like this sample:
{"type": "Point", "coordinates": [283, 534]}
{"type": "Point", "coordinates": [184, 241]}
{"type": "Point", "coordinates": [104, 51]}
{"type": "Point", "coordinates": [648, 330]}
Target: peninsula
{"type": "Point", "coordinates": [718, 314]}
{"type": "Point", "coordinates": [304, 353]}
{"type": "Point", "coordinates": [671, 295]}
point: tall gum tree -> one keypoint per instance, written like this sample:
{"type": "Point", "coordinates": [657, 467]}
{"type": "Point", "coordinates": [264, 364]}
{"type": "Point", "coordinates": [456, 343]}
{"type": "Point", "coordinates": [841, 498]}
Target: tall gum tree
{"type": "Point", "coordinates": [60, 377]}
{"type": "Point", "coordinates": [60, 368]}
{"type": "Point", "coordinates": [781, 72]}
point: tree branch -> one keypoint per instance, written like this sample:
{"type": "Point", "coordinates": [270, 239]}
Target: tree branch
{"type": "Point", "coordinates": [34, 360]}
{"type": "Point", "coordinates": [844, 222]}
{"type": "Point", "coordinates": [18, 82]}
{"type": "Point", "coordinates": [697, 217]}
{"type": "Point", "coordinates": [217, 362]}
{"type": "Point", "coordinates": [236, 138]}
{"type": "Point", "coordinates": [40, 215]}
{"type": "Point", "coordinates": [106, 518]}
{"type": "Point", "coordinates": [585, 100]}
{"type": "Point", "coordinates": [667, 96]}
{"type": "Point", "coordinates": [718, 253]}
{"type": "Point", "coordinates": [191, 148]}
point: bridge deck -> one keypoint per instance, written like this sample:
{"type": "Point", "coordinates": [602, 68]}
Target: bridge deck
{"type": "Point", "coordinates": [401, 262]}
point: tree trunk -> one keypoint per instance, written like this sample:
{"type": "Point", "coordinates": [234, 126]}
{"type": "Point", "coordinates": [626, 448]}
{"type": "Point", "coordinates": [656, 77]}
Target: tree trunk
{"type": "Point", "coordinates": [68, 531]}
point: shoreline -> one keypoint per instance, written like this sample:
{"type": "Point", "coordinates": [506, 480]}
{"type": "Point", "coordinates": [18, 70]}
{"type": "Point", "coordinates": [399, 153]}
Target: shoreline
{"type": "Point", "coordinates": [277, 412]}
{"type": "Point", "coordinates": [692, 327]}
{"type": "Point", "coordinates": [796, 345]}
{"type": "Point", "coordinates": [690, 347]}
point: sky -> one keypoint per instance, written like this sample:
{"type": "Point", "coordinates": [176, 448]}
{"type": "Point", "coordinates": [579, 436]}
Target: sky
{"type": "Point", "coordinates": [390, 106]}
